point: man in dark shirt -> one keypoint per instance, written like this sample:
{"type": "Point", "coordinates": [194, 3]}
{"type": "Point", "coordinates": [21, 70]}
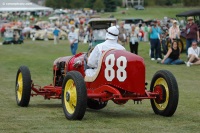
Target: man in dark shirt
{"type": "Point", "coordinates": [192, 33]}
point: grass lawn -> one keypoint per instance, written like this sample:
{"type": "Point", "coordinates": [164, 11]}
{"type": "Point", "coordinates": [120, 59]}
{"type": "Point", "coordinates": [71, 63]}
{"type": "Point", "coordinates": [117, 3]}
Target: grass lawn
{"type": "Point", "coordinates": [149, 12]}
{"type": "Point", "coordinates": [46, 116]}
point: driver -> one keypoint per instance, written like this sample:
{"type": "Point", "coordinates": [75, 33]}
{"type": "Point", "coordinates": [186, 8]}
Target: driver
{"type": "Point", "coordinates": [110, 43]}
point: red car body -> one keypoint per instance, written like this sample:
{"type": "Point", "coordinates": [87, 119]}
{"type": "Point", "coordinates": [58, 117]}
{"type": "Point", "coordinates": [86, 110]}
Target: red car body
{"type": "Point", "coordinates": [120, 77]}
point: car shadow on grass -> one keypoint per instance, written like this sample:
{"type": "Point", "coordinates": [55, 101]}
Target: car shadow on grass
{"type": "Point", "coordinates": [44, 105]}
{"type": "Point", "coordinates": [109, 113]}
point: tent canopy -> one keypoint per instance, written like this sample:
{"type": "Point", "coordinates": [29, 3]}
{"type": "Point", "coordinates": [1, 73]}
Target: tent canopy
{"type": "Point", "coordinates": [21, 5]}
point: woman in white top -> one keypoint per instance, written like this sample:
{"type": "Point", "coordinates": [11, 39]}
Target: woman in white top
{"type": "Point", "coordinates": [174, 31]}
{"type": "Point", "coordinates": [193, 54]}
{"type": "Point", "coordinates": [134, 40]}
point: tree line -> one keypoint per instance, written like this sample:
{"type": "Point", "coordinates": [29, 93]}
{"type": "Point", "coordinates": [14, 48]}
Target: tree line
{"type": "Point", "coordinates": [171, 2]}
{"type": "Point", "coordinates": [106, 5]}
{"type": "Point", "coordinates": [111, 5]}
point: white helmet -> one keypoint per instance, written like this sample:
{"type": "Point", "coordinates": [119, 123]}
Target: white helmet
{"type": "Point", "coordinates": [112, 33]}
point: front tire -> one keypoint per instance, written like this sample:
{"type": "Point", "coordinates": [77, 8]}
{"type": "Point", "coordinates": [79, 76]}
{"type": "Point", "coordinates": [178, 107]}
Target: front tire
{"type": "Point", "coordinates": [74, 96]}
{"type": "Point", "coordinates": [23, 86]}
{"type": "Point", "coordinates": [164, 83]}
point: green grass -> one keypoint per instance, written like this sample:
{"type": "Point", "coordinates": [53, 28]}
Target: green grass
{"type": "Point", "coordinates": [149, 12]}
{"type": "Point", "coordinates": [46, 116]}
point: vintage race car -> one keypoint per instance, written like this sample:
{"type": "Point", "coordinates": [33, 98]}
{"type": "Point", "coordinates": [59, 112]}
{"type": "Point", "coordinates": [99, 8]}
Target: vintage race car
{"type": "Point", "coordinates": [40, 34]}
{"type": "Point", "coordinates": [120, 77]}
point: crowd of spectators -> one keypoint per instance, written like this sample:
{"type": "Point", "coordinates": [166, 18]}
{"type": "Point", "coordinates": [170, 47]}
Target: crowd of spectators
{"type": "Point", "coordinates": [157, 32]}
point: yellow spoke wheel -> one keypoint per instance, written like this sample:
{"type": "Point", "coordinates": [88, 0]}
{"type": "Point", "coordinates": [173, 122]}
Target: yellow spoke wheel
{"type": "Point", "coordinates": [23, 86]}
{"type": "Point", "coordinates": [70, 96]}
{"type": "Point", "coordinates": [164, 83]}
{"type": "Point", "coordinates": [74, 96]}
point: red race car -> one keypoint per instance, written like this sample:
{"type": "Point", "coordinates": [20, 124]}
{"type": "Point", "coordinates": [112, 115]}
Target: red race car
{"type": "Point", "coordinates": [120, 77]}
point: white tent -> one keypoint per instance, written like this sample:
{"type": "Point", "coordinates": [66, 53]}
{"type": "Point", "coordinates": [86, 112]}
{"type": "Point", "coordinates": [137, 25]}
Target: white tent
{"type": "Point", "coordinates": [21, 5]}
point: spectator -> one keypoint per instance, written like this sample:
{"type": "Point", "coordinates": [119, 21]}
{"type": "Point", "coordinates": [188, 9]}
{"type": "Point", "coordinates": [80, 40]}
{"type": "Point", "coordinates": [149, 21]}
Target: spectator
{"type": "Point", "coordinates": [110, 43]}
{"type": "Point", "coordinates": [133, 40]}
{"type": "Point", "coordinates": [73, 40]}
{"type": "Point", "coordinates": [56, 33]}
{"type": "Point", "coordinates": [192, 33]}
{"type": "Point", "coordinates": [174, 32]}
{"type": "Point", "coordinates": [3, 29]}
{"type": "Point", "coordinates": [141, 34]}
{"type": "Point", "coordinates": [193, 55]}
{"type": "Point", "coordinates": [155, 41]}
{"type": "Point", "coordinates": [122, 34]}
{"type": "Point", "coordinates": [173, 55]}
{"type": "Point", "coordinates": [81, 33]}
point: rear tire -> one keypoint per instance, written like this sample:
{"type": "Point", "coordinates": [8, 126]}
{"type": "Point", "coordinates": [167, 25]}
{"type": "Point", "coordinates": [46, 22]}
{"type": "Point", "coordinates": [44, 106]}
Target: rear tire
{"type": "Point", "coordinates": [23, 86]}
{"type": "Point", "coordinates": [74, 96]}
{"type": "Point", "coordinates": [164, 83]}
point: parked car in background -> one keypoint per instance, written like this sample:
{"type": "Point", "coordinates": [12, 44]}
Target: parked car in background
{"type": "Point", "coordinates": [129, 21]}
{"type": "Point", "coordinates": [99, 27]}
{"type": "Point", "coordinates": [40, 34]}
{"type": "Point", "coordinates": [13, 36]}
{"type": "Point", "coordinates": [191, 13]}
{"type": "Point", "coordinates": [139, 7]}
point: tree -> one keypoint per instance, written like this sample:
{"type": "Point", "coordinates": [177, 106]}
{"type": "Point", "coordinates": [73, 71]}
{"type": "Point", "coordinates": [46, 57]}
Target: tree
{"type": "Point", "coordinates": [191, 2]}
{"type": "Point", "coordinates": [98, 5]}
{"type": "Point", "coordinates": [89, 3]}
{"type": "Point", "coordinates": [56, 4]}
{"type": "Point", "coordinates": [50, 3]}
{"type": "Point", "coordinates": [77, 4]}
{"type": "Point", "coordinates": [110, 5]}
{"type": "Point", "coordinates": [68, 3]}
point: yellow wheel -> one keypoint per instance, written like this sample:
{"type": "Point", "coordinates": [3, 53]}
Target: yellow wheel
{"type": "Point", "coordinates": [70, 96]}
{"type": "Point", "coordinates": [23, 86]}
{"type": "Point", "coordinates": [74, 96]}
{"type": "Point", "coordinates": [164, 83]}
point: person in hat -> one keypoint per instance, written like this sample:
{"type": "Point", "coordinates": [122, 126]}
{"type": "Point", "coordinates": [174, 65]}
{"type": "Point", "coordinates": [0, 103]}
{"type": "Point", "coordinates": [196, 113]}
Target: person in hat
{"type": "Point", "coordinates": [110, 43]}
{"type": "Point", "coordinates": [174, 32]}
{"type": "Point", "coordinates": [192, 33]}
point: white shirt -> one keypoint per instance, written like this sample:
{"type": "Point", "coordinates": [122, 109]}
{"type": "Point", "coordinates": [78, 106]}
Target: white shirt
{"type": "Point", "coordinates": [95, 55]}
{"type": "Point", "coordinates": [174, 32]}
{"type": "Point", "coordinates": [73, 36]}
{"type": "Point", "coordinates": [133, 37]}
{"type": "Point", "coordinates": [195, 52]}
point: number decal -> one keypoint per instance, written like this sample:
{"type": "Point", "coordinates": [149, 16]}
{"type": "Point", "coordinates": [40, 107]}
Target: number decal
{"type": "Point", "coordinates": [109, 71]}
{"type": "Point", "coordinates": [121, 73]}
{"type": "Point", "coordinates": [121, 65]}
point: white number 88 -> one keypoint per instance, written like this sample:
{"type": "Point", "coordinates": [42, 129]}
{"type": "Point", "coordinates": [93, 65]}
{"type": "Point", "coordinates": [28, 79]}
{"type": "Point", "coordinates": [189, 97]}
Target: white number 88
{"type": "Point", "coordinates": [121, 65]}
